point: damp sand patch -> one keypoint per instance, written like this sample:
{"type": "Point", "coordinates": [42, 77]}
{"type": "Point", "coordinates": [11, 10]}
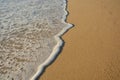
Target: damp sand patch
{"type": "Point", "coordinates": [29, 36]}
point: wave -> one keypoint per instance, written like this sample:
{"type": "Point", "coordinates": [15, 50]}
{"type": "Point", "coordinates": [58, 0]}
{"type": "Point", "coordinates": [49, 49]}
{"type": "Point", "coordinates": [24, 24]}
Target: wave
{"type": "Point", "coordinates": [30, 36]}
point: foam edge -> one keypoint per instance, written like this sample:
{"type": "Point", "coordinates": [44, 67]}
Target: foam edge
{"type": "Point", "coordinates": [56, 49]}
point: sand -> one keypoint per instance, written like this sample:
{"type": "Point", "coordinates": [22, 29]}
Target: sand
{"type": "Point", "coordinates": [92, 47]}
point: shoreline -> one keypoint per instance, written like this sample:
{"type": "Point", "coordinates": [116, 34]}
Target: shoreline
{"type": "Point", "coordinates": [57, 47]}
{"type": "Point", "coordinates": [91, 48]}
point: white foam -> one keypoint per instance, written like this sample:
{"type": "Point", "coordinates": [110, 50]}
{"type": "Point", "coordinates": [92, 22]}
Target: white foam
{"type": "Point", "coordinates": [29, 35]}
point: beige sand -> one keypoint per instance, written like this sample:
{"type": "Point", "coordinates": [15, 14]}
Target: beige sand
{"type": "Point", "coordinates": [92, 47]}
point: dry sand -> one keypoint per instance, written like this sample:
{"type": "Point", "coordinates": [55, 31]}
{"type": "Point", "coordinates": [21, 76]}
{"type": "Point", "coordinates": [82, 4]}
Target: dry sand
{"type": "Point", "coordinates": [92, 47]}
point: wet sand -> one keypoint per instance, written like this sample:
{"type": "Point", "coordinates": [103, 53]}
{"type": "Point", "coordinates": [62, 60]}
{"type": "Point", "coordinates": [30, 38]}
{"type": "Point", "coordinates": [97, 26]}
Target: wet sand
{"type": "Point", "coordinates": [92, 47]}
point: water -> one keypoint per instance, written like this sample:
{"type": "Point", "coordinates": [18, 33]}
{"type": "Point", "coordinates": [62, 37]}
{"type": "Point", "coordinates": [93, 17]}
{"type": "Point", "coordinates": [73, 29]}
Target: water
{"type": "Point", "coordinates": [29, 36]}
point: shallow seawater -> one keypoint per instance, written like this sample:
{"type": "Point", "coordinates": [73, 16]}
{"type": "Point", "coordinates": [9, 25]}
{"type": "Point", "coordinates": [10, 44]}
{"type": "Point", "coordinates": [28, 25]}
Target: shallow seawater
{"type": "Point", "coordinates": [27, 35]}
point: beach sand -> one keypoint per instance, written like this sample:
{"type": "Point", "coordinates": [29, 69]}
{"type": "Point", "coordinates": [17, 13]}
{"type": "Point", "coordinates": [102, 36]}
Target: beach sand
{"type": "Point", "coordinates": [92, 46]}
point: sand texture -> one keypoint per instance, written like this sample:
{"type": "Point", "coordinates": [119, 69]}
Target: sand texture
{"type": "Point", "coordinates": [92, 47]}
{"type": "Point", "coordinates": [29, 32]}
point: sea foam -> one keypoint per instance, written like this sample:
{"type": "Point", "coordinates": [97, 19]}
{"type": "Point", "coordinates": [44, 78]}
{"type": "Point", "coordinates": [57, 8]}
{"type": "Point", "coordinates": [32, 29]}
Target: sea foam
{"type": "Point", "coordinates": [30, 33]}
